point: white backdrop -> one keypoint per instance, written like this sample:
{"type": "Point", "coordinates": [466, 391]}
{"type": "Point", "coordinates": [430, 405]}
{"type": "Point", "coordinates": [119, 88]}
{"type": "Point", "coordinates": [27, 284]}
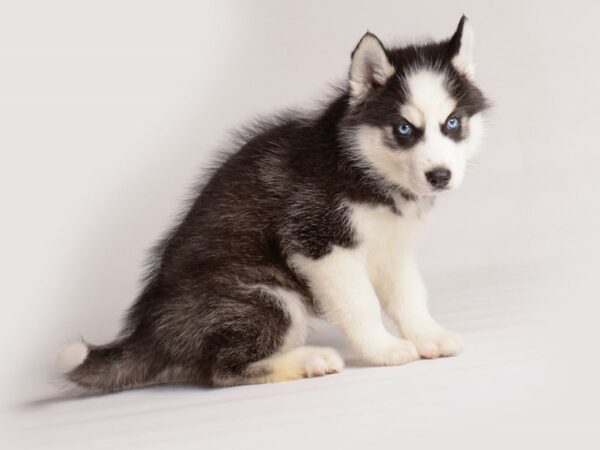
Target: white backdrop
{"type": "Point", "coordinates": [108, 111]}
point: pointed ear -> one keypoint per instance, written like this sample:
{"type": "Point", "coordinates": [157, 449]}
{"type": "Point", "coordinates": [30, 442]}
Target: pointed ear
{"type": "Point", "coordinates": [461, 46]}
{"type": "Point", "coordinates": [370, 67]}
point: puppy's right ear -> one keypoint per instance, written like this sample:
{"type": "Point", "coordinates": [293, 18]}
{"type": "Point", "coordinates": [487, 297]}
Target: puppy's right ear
{"type": "Point", "coordinates": [370, 67]}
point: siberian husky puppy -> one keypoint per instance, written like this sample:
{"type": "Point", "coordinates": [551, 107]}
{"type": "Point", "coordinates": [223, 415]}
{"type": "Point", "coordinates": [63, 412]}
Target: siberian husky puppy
{"type": "Point", "coordinates": [312, 215]}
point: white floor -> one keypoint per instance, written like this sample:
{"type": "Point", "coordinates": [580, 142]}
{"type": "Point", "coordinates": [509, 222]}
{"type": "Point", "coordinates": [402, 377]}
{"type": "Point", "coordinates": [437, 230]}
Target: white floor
{"type": "Point", "coordinates": [518, 382]}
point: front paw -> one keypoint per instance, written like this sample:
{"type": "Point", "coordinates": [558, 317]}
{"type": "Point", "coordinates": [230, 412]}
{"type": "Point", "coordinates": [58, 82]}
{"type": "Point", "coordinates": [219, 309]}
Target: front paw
{"type": "Point", "coordinates": [393, 352]}
{"type": "Point", "coordinates": [438, 343]}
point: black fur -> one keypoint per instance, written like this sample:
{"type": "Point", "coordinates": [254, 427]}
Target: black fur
{"type": "Point", "coordinates": [282, 192]}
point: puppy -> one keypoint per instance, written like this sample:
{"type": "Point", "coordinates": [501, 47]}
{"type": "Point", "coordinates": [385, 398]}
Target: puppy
{"type": "Point", "coordinates": [312, 215]}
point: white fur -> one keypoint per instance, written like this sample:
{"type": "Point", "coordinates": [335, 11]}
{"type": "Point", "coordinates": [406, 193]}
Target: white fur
{"type": "Point", "coordinates": [387, 242]}
{"type": "Point", "coordinates": [343, 287]}
{"type": "Point", "coordinates": [72, 356]}
{"type": "Point", "coordinates": [293, 364]}
{"type": "Point", "coordinates": [429, 103]}
{"type": "Point", "coordinates": [476, 134]}
{"type": "Point", "coordinates": [463, 61]}
{"type": "Point", "coordinates": [429, 99]}
{"type": "Point", "coordinates": [300, 362]}
{"type": "Point", "coordinates": [352, 285]}
{"type": "Point", "coordinates": [376, 157]}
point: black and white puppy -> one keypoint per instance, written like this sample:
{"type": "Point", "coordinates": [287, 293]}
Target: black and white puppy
{"type": "Point", "coordinates": [313, 215]}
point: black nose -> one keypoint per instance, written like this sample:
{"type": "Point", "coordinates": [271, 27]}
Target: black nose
{"type": "Point", "coordinates": [439, 177]}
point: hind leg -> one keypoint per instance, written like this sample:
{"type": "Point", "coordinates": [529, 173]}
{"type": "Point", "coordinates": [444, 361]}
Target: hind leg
{"type": "Point", "coordinates": [291, 359]}
{"type": "Point", "coordinates": [300, 362]}
{"type": "Point", "coordinates": [254, 336]}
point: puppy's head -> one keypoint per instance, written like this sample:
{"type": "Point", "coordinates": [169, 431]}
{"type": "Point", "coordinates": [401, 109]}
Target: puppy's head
{"type": "Point", "coordinates": [415, 115]}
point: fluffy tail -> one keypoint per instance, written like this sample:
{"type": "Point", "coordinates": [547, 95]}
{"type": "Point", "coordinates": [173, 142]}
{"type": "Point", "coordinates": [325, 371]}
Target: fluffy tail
{"type": "Point", "coordinates": [107, 368]}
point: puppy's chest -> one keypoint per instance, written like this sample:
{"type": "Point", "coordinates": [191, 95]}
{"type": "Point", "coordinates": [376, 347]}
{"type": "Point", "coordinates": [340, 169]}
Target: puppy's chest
{"type": "Point", "coordinates": [383, 235]}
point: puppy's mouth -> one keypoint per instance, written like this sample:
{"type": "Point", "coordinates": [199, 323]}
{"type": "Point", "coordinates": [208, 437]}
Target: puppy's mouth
{"type": "Point", "coordinates": [407, 194]}
{"type": "Point", "coordinates": [420, 188]}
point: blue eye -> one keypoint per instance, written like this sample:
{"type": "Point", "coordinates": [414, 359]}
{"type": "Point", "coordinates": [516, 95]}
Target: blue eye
{"type": "Point", "coordinates": [404, 129]}
{"type": "Point", "coordinates": [452, 123]}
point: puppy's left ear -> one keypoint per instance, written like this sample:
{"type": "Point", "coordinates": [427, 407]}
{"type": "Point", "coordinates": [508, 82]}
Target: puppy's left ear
{"type": "Point", "coordinates": [460, 48]}
{"type": "Point", "coordinates": [370, 67]}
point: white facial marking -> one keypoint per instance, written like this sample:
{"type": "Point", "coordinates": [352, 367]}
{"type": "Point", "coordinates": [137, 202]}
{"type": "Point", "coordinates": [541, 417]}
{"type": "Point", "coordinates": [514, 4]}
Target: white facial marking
{"type": "Point", "coordinates": [413, 114]}
{"type": "Point", "coordinates": [428, 98]}
{"type": "Point", "coordinates": [428, 106]}
{"type": "Point", "coordinates": [376, 157]}
{"type": "Point", "coordinates": [476, 135]}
